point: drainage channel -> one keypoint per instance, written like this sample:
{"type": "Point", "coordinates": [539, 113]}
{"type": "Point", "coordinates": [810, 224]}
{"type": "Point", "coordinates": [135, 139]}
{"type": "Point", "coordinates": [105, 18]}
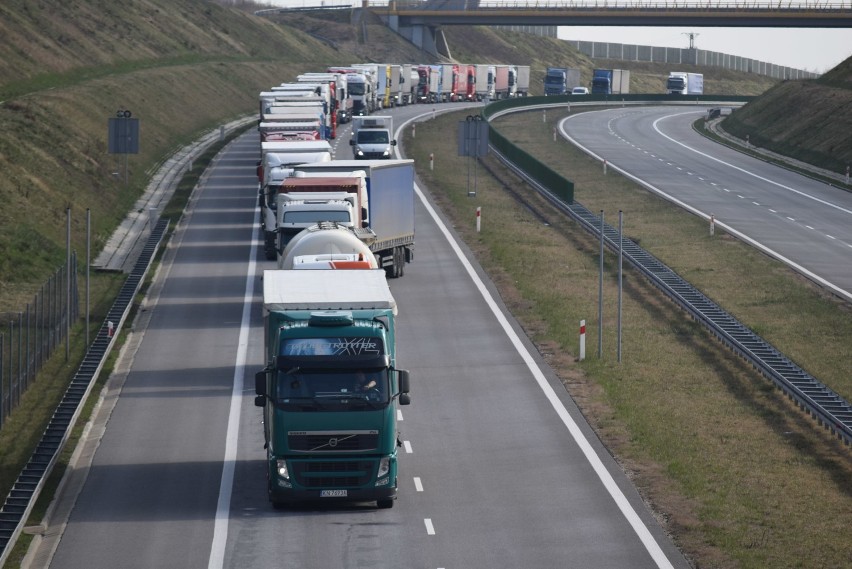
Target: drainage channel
{"type": "Point", "coordinates": [31, 480]}
{"type": "Point", "coordinates": [827, 407]}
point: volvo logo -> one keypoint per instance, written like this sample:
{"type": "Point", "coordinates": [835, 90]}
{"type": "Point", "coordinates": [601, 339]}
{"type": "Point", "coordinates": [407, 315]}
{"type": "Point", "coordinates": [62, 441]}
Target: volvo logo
{"type": "Point", "coordinates": [332, 442]}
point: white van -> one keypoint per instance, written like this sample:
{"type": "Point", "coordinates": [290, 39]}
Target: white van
{"type": "Point", "coordinates": [579, 91]}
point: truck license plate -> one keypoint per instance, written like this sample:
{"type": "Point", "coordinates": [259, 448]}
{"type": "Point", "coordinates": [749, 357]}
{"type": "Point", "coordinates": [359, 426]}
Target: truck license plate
{"type": "Point", "coordinates": [332, 493]}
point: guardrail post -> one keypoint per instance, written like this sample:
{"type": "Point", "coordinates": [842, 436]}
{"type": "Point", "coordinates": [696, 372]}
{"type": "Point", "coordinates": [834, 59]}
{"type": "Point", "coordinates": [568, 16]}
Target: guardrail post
{"type": "Point", "coordinates": [478, 218]}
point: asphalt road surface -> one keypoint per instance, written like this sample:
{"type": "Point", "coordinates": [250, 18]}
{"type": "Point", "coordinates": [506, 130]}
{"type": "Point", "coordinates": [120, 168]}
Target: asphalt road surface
{"type": "Point", "coordinates": [801, 221]}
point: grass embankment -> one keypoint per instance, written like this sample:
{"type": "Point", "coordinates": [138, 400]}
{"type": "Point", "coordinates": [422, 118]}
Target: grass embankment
{"type": "Point", "coordinates": [737, 474]}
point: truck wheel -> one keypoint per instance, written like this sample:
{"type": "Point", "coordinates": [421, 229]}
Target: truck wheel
{"type": "Point", "coordinates": [395, 272]}
{"type": "Point", "coordinates": [385, 503]}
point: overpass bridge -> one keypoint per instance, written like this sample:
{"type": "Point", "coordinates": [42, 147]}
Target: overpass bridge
{"type": "Point", "coordinates": [420, 21]}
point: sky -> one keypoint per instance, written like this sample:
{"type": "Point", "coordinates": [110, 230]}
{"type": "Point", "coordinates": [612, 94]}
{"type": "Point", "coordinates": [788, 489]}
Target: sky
{"type": "Point", "coordinates": [816, 50]}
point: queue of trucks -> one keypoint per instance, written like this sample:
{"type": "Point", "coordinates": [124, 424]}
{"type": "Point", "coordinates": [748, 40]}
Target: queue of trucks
{"type": "Point", "coordinates": [446, 83]}
{"type": "Point", "coordinates": [330, 387]}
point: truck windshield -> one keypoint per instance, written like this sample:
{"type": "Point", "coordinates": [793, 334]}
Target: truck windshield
{"type": "Point", "coordinates": [316, 390]}
{"type": "Point", "coordinates": [675, 83]}
{"type": "Point", "coordinates": [356, 89]}
{"type": "Point", "coordinates": [316, 216]}
{"type": "Point", "coordinates": [372, 137]}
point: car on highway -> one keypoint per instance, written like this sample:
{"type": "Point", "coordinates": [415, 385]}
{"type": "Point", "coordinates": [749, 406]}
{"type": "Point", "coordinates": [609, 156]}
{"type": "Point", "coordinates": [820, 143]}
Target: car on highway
{"type": "Point", "coordinates": [580, 91]}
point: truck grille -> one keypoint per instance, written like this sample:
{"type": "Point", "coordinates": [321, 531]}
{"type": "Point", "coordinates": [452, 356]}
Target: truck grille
{"type": "Point", "coordinates": [333, 442]}
{"type": "Point", "coordinates": [333, 474]}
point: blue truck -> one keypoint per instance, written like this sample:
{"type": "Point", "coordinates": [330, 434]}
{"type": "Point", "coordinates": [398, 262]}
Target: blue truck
{"type": "Point", "coordinates": [330, 390]}
{"type": "Point", "coordinates": [560, 80]}
{"type": "Point", "coordinates": [610, 82]}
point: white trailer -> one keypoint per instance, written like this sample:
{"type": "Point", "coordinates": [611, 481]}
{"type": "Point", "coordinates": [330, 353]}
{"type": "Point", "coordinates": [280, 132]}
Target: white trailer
{"type": "Point", "coordinates": [390, 190]}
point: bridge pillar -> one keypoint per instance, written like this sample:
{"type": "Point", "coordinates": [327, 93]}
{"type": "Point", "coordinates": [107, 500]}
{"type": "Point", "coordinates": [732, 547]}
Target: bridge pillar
{"type": "Point", "coordinates": [430, 39]}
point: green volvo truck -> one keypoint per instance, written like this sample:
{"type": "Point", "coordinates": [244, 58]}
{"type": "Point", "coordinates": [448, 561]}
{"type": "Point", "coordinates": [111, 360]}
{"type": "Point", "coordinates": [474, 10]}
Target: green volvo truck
{"type": "Point", "coordinates": [330, 390]}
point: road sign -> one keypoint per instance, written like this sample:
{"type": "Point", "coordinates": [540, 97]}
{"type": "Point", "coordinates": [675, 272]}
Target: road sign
{"type": "Point", "coordinates": [123, 134]}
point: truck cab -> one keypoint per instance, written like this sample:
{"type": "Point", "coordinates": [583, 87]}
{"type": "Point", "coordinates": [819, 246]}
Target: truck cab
{"type": "Point", "coordinates": [330, 389]}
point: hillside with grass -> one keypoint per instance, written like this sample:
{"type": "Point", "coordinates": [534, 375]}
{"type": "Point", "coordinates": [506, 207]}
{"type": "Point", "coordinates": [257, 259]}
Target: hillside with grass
{"type": "Point", "coordinates": [810, 120]}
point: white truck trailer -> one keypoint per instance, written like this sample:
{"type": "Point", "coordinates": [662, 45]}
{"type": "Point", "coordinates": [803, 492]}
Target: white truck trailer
{"type": "Point", "coordinates": [390, 191]}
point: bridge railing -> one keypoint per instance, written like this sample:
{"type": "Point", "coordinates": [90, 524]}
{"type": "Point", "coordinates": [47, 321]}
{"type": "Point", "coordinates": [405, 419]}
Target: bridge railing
{"type": "Point", "coordinates": [750, 5]}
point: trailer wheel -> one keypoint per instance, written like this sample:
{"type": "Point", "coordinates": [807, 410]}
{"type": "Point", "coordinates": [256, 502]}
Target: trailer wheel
{"type": "Point", "coordinates": [393, 270]}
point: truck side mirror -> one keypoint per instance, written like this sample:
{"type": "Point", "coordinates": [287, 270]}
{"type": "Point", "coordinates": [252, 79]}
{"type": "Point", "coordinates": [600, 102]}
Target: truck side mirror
{"type": "Point", "coordinates": [393, 142]}
{"type": "Point", "coordinates": [351, 142]}
{"type": "Point", "coordinates": [259, 400]}
{"type": "Point", "coordinates": [404, 386]}
{"type": "Point", "coordinates": [260, 383]}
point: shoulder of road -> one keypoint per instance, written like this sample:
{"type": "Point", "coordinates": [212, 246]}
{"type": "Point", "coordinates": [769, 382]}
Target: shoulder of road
{"type": "Point", "coordinates": [125, 245]}
{"type": "Point", "coordinates": [715, 126]}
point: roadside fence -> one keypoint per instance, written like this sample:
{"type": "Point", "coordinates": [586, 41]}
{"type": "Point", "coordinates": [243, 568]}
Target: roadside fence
{"type": "Point", "coordinates": [29, 337]}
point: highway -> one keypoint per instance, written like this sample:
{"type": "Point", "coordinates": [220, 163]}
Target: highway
{"type": "Point", "coordinates": [498, 468]}
{"type": "Point", "coordinates": [803, 222]}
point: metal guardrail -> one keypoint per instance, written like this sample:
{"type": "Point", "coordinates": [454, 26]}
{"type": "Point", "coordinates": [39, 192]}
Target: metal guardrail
{"type": "Point", "coordinates": [828, 408]}
{"type": "Point", "coordinates": [31, 480]}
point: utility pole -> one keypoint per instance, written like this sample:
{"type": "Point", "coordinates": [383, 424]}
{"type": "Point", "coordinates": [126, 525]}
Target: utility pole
{"type": "Point", "coordinates": [691, 38]}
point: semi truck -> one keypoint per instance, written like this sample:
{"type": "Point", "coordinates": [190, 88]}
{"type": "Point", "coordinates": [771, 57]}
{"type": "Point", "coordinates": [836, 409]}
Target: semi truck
{"type": "Point", "coordinates": [484, 81]}
{"type": "Point", "coordinates": [307, 199]}
{"type": "Point", "coordinates": [359, 88]}
{"type": "Point", "coordinates": [276, 163]}
{"type": "Point", "coordinates": [328, 245]}
{"type": "Point", "coordinates": [502, 88]}
{"type": "Point", "coordinates": [560, 80]}
{"type": "Point", "coordinates": [469, 73]}
{"type": "Point", "coordinates": [330, 389]}
{"type": "Point", "coordinates": [610, 82]}
{"type": "Point", "coordinates": [372, 138]}
{"type": "Point", "coordinates": [519, 81]}
{"type": "Point", "coordinates": [449, 87]}
{"type": "Point", "coordinates": [342, 104]}
{"type": "Point", "coordinates": [428, 83]}
{"type": "Point", "coordinates": [308, 105]}
{"type": "Point", "coordinates": [684, 83]}
{"type": "Point", "coordinates": [407, 84]}
{"type": "Point", "coordinates": [390, 193]}
{"type": "Point", "coordinates": [295, 130]}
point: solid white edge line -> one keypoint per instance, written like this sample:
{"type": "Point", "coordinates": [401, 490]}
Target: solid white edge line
{"type": "Point", "coordinates": [618, 496]}
{"type": "Point", "coordinates": [223, 507]}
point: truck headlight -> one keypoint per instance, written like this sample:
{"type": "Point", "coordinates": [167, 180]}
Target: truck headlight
{"type": "Point", "coordinates": [384, 467]}
{"type": "Point", "coordinates": [359, 152]}
{"type": "Point", "coordinates": [386, 152]}
{"type": "Point", "coordinates": [281, 469]}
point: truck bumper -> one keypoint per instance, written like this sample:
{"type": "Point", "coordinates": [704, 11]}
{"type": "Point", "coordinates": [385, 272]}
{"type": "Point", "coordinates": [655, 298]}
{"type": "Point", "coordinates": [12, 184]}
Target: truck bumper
{"type": "Point", "coordinates": [295, 497]}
